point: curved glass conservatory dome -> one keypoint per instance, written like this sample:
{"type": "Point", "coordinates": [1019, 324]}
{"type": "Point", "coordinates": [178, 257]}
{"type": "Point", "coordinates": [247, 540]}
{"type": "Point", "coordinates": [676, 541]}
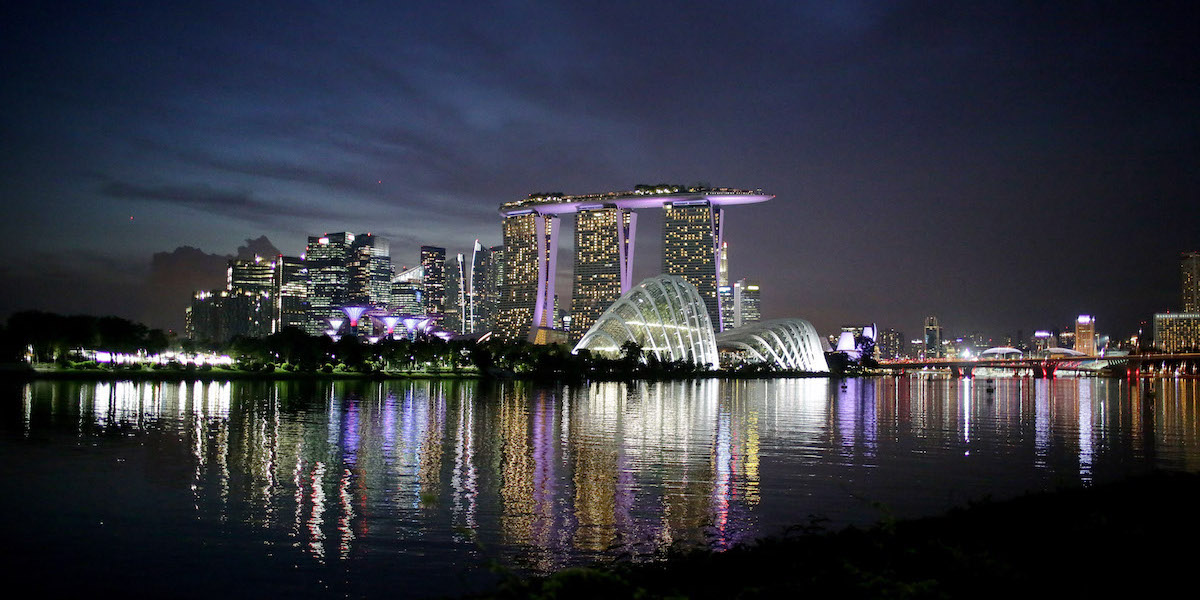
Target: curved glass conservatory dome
{"type": "Point", "coordinates": [791, 344]}
{"type": "Point", "coordinates": [665, 315]}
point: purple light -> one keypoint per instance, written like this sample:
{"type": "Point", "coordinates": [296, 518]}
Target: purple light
{"type": "Point", "coordinates": [390, 322]}
{"type": "Point", "coordinates": [424, 325]}
{"type": "Point", "coordinates": [354, 312]}
{"type": "Point", "coordinates": [571, 204]}
{"type": "Point", "coordinates": [410, 323]}
{"type": "Point", "coordinates": [445, 335]}
{"type": "Point", "coordinates": [335, 323]}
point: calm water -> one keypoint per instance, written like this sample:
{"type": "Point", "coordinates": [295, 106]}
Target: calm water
{"type": "Point", "coordinates": [415, 488]}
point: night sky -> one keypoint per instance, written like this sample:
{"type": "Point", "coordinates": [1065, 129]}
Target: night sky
{"type": "Point", "coordinates": [1003, 166]}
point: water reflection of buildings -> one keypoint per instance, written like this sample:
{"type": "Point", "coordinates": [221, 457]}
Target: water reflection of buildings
{"type": "Point", "coordinates": [584, 471]}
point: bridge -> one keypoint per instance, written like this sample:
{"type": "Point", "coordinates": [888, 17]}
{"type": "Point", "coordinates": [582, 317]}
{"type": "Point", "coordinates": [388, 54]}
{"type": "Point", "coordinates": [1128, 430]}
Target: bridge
{"type": "Point", "coordinates": [1131, 365]}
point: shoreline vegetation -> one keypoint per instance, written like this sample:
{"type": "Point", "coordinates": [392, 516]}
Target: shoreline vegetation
{"type": "Point", "coordinates": [43, 345]}
{"type": "Point", "coordinates": [1134, 536]}
{"type": "Point", "coordinates": [86, 372]}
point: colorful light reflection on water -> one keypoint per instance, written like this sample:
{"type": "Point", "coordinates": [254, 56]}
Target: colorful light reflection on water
{"type": "Point", "coordinates": [366, 487]}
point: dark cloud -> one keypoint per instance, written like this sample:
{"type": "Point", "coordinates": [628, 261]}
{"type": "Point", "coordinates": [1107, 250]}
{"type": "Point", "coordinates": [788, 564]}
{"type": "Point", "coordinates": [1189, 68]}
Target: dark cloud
{"type": "Point", "coordinates": [1004, 165]}
{"type": "Point", "coordinates": [205, 199]}
{"type": "Point", "coordinates": [259, 246]}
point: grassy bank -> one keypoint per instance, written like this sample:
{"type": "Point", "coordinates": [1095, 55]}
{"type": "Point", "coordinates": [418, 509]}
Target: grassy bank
{"type": "Point", "coordinates": [1135, 537]}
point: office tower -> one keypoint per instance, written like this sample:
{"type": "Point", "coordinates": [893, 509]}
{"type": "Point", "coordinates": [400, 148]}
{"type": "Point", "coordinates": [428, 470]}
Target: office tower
{"type": "Point", "coordinates": [433, 263]}
{"type": "Point", "coordinates": [1190, 276]}
{"type": "Point", "coordinates": [603, 263]}
{"type": "Point", "coordinates": [456, 304]}
{"type": "Point", "coordinates": [487, 299]}
{"type": "Point", "coordinates": [327, 259]}
{"type": "Point", "coordinates": [747, 299]}
{"type": "Point", "coordinates": [933, 338]}
{"type": "Point", "coordinates": [728, 307]}
{"type": "Point", "coordinates": [723, 262]}
{"type": "Point", "coordinates": [1085, 335]}
{"type": "Point", "coordinates": [408, 292]}
{"type": "Point", "coordinates": [724, 290]}
{"type": "Point", "coordinates": [483, 293]}
{"type": "Point", "coordinates": [691, 236]}
{"type": "Point", "coordinates": [527, 296]}
{"type": "Point", "coordinates": [890, 344]}
{"type": "Point", "coordinates": [221, 315]}
{"type": "Point", "coordinates": [291, 293]}
{"type": "Point", "coordinates": [257, 275]}
{"type": "Point", "coordinates": [370, 271]}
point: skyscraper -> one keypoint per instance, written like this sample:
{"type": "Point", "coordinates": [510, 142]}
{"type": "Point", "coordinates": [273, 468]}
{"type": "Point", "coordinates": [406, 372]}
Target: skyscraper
{"type": "Point", "coordinates": [692, 229]}
{"type": "Point", "coordinates": [603, 263]}
{"type": "Point", "coordinates": [327, 259]}
{"type": "Point", "coordinates": [408, 291]}
{"type": "Point", "coordinates": [1190, 280]}
{"type": "Point", "coordinates": [257, 275]}
{"type": "Point", "coordinates": [483, 292]}
{"type": "Point", "coordinates": [933, 338]}
{"type": "Point", "coordinates": [1085, 335]}
{"type": "Point", "coordinates": [746, 301]}
{"type": "Point", "coordinates": [370, 271]}
{"type": "Point", "coordinates": [433, 264]}
{"type": "Point", "coordinates": [724, 290]}
{"type": "Point", "coordinates": [487, 297]}
{"type": "Point", "coordinates": [291, 289]}
{"type": "Point", "coordinates": [456, 297]}
{"type": "Point", "coordinates": [890, 343]}
{"type": "Point", "coordinates": [728, 307]}
{"type": "Point", "coordinates": [691, 233]}
{"type": "Point", "coordinates": [527, 296]}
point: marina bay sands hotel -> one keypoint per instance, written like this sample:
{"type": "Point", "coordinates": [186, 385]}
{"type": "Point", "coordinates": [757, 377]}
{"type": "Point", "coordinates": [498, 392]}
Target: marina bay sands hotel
{"type": "Point", "coordinates": [605, 225]}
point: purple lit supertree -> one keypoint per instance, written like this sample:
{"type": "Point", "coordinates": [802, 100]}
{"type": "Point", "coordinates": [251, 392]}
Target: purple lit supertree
{"type": "Point", "coordinates": [410, 323]}
{"type": "Point", "coordinates": [390, 322]}
{"type": "Point", "coordinates": [354, 312]}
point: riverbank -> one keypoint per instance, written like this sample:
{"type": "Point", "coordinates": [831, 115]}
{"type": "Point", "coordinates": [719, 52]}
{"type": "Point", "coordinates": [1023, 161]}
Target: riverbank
{"type": "Point", "coordinates": [1137, 536]}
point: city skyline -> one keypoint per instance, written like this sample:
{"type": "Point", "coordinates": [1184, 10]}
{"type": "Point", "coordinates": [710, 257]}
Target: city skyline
{"type": "Point", "coordinates": [1003, 167]}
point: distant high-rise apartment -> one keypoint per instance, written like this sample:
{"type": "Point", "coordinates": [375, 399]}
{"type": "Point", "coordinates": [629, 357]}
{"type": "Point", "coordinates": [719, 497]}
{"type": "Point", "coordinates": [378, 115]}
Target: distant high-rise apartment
{"type": "Point", "coordinates": [370, 271]}
{"type": "Point", "coordinates": [433, 263]}
{"type": "Point", "coordinates": [603, 261]}
{"type": "Point", "coordinates": [327, 259]}
{"type": "Point", "coordinates": [933, 338]}
{"type": "Point", "coordinates": [1190, 280]}
{"type": "Point", "coordinates": [691, 233]}
{"type": "Point", "coordinates": [1085, 335]}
